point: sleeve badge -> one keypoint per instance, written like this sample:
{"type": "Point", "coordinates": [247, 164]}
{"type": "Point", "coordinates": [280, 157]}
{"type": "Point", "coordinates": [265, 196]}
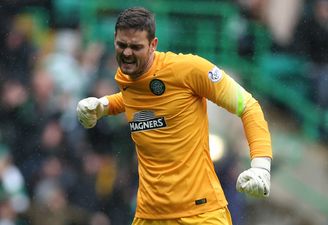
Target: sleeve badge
{"type": "Point", "coordinates": [215, 74]}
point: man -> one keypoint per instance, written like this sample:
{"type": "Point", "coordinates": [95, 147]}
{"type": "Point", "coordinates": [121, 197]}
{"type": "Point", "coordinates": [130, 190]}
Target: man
{"type": "Point", "coordinates": [164, 96]}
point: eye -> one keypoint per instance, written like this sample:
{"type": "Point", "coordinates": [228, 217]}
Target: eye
{"type": "Point", "coordinates": [136, 47]}
{"type": "Point", "coordinates": [121, 45]}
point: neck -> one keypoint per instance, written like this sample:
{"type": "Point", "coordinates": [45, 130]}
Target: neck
{"type": "Point", "coordinates": [150, 62]}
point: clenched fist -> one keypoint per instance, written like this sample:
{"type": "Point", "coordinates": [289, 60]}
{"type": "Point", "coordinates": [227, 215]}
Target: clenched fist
{"type": "Point", "coordinates": [89, 110]}
{"type": "Point", "coordinates": [256, 180]}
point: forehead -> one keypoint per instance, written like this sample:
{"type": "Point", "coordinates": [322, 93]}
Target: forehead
{"type": "Point", "coordinates": [131, 36]}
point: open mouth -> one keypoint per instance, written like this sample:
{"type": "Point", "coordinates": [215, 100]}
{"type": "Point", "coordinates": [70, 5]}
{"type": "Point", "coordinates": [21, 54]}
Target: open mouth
{"type": "Point", "coordinates": [128, 61]}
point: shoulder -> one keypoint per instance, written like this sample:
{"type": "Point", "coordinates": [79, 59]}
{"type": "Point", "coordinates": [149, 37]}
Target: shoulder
{"type": "Point", "coordinates": [183, 60]}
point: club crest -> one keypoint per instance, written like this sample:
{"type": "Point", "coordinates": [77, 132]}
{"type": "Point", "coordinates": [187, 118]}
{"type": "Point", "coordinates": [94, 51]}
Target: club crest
{"type": "Point", "coordinates": [157, 87]}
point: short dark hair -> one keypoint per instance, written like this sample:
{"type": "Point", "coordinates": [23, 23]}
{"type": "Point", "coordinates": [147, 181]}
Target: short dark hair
{"type": "Point", "coordinates": [137, 18]}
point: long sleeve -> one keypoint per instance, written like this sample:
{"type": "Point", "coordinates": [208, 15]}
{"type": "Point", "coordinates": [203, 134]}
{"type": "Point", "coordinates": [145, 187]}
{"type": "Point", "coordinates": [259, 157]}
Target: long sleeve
{"type": "Point", "coordinates": [208, 81]}
{"type": "Point", "coordinates": [116, 104]}
{"type": "Point", "coordinates": [256, 130]}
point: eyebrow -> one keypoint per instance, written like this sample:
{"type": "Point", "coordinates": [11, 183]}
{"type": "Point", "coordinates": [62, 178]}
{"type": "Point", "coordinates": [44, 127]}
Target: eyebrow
{"type": "Point", "coordinates": [124, 43]}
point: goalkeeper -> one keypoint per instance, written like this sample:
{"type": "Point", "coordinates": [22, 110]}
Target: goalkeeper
{"type": "Point", "coordinates": [164, 97]}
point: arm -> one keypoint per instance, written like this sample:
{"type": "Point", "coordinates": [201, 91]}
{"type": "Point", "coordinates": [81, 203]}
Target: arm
{"type": "Point", "coordinates": [208, 81]}
{"type": "Point", "coordinates": [256, 180]}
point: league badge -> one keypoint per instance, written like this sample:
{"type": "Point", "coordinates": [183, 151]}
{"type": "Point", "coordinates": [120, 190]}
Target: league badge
{"type": "Point", "coordinates": [215, 74]}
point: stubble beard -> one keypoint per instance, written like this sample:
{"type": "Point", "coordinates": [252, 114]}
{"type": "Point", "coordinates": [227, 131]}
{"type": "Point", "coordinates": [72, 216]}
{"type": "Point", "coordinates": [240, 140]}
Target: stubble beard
{"type": "Point", "coordinates": [139, 68]}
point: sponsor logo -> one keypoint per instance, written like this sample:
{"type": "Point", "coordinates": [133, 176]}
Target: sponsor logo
{"type": "Point", "coordinates": [201, 201]}
{"type": "Point", "coordinates": [146, 120]}
{"type": "Point", "coordinates": [157, 87]}
{"type": "Point", "coordinates": [215, 74]}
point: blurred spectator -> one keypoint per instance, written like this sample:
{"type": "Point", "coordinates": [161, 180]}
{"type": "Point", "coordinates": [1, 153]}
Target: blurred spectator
{"type": "Point", "coordinates": [100, 219]}
{"type": "Point", "coordinates": [86, 195]}
{"type": "Point", "coordinates": [52, 207]}
{"type": "Point", "coordinates": [278, 17]}
{"type": "Point", "coordinates": [281, 18]}
{"type": "Point", "coordinates": [8, 216]}
{"type": "Point", "coordinates": [52, 159]}
{"type": "Point", "coordinates": [64, 68]}
{"type": "Point", "coordinates": [14, 200]}
{"type": "Point", "coordinates": [91, 59]}
{"type": "Point", "coordinates": [99, 190]}
{"type": "Point", "coordinates": [311, 42]}
{"type": "Point", "coordinates": [253, 9]}
{"type": "Point", "coordinates": [24, 113]}
{"type": "Point", "coordinates": [227, 170]}
{"type": "Point", "coordinates": [246, 25]}
{"type": "Point", "coordinates": [17, 53]}
{"type": "Point", "coordinates": [42, 93]}
{"type": "Point", "coordinates": [13, 97]}
{"type": "Point", "coordinates": [241, 27]}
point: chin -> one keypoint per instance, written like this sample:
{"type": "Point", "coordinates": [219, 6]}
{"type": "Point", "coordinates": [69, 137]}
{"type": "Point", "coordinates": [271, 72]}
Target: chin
{"type": "Point", "coordinates": [131, 72]}
{"type": "Point", "coordinates": [127, 72]}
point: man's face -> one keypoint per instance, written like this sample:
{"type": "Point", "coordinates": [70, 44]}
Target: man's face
{"type": "Point", "coordinates": [134, 53]}
{"type": "Point", "coordinates": [322, 11]}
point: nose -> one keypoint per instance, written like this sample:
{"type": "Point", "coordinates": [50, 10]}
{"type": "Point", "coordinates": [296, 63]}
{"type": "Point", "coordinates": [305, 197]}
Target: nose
{"type": "Point", "coordinates": [127, 51]}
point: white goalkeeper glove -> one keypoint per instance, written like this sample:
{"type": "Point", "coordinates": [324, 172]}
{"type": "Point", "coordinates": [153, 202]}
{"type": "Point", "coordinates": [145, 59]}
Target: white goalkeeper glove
{"type": "Point", "coordinates": [91, 109]}
{"type": "Point", "coordinates": [256, 180]}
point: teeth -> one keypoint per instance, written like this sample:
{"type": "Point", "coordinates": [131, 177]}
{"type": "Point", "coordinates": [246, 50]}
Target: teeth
{"type": "Point", "coordinates": [127, 61]}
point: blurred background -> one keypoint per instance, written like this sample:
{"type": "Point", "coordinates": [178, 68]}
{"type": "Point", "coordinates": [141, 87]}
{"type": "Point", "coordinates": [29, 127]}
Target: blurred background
{"type": "Point", "coordinates": [55, 52]}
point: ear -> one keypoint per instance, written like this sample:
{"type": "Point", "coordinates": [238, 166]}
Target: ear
{"type": "Point", "coordinates": [114, 37]}
{"type": "Point", "coordinates": [153, 44]}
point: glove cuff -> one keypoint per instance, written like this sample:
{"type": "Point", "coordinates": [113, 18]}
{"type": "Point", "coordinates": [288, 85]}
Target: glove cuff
{"type": "Point", "coordinates": [261, 162]}
{"type": "Point", "coordinates": [104, 101]}
{"type": "Point", "coordinates": [103, 110]}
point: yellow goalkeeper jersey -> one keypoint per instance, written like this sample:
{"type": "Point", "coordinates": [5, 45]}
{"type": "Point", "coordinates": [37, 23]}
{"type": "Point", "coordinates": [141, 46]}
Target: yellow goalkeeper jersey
{"type": "Point", "coordinates": [166, 111]}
